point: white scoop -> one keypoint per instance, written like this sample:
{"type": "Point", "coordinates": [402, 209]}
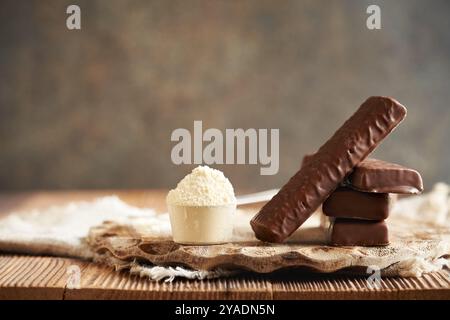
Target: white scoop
{"type": "Point", "coordinates": [209, 224]}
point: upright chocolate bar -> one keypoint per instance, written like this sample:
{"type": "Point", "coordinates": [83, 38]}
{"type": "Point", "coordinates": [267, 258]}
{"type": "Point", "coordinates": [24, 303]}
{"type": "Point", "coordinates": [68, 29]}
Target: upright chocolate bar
{"type": "Point", "coordinates": [310, 186]}
{"type": "Point", "coordinates": [307, 158]}
{"type": "Point", "coordinates": [374, 175]}
{"type": "Point", "coordinates": [347, 232]}
{"type": "Point", "coordinates": [348, 203]}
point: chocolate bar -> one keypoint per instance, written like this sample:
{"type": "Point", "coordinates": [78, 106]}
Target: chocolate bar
{"type": "Point", "coordinates": [374, 175]}
{"type": "Point", "coordinates": [312, 184]}
{"type": "Point", "coordinates": [307, 158]}
{"type": "Point", "coordinates": [347, 232]}
{"type": "Point", "coordinates": [348, 203]}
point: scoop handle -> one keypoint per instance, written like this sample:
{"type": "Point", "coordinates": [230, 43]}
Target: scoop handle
{"type": "Point", "coordinates": [256, 197]}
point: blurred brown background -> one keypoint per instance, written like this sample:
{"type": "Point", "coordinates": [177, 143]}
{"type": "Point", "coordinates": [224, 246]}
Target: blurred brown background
{"type": "Point", "coordinates": [95, 108]}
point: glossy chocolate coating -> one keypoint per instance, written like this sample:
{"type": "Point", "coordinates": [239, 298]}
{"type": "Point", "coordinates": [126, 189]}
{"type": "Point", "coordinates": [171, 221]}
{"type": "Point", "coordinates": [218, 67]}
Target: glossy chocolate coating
{"type": "Point", "coordinates": [374, 175]}
{"type": "Point", "coordinates": [306, 158]}
{"type": "Point", "coordinates": [348, 203]}
{"type": "Point", "coordinates": [312, 184]}
{"type": "Point", "coordinates": [347, 232]}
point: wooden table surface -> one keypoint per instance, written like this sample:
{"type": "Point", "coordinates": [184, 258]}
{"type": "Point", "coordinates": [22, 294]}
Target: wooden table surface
{"type": "Point", "coordinates": [36, 277]}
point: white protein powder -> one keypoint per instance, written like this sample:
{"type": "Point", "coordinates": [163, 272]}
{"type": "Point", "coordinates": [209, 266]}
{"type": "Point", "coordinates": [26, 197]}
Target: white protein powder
{"type": "Point", "coordinates": [204, 186]}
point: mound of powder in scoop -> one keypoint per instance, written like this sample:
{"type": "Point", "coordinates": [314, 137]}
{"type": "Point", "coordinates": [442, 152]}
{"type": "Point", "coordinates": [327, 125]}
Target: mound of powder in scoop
{"type": "Point", "coordinates": [204, 186]}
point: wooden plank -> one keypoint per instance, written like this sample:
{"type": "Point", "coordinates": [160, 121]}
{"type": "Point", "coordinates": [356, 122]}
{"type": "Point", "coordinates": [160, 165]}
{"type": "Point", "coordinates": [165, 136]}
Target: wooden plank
{"type": "Point", "coordinates": [23, 277]}
{"type": "Point", "coordinates": [100, 282]}
{"type": "Point", "coordinates": [430, 286]}
{"type": "Point", "coordinates": [32, 277]}
{"type": "Point", "coordinates": [46, 278]}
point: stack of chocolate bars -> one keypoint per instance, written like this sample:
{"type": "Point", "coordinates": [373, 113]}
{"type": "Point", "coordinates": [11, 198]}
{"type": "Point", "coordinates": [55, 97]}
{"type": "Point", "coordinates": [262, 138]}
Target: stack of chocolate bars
{"type": "Point", "coordinates": [359, 207]}
{"type": "Point", "coordinates": [352, 188]}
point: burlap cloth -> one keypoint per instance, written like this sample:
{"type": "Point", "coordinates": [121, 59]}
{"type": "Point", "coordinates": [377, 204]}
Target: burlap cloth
{"type": "Point", "coordinates": [108, 230]}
